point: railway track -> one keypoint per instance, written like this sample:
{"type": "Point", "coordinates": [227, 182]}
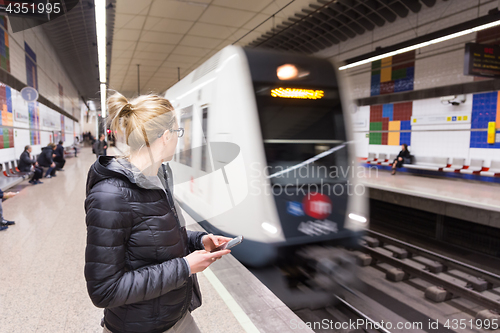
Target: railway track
{"type": "Point", "coordinates": [343, 318]}
{"type": "Point", "coordinates": [450, 278]}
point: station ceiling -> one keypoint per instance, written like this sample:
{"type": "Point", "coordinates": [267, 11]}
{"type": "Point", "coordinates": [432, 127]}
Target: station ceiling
{"type": "Point", "coordinates": [168, 37]}
{"type": "Point", "coordinates": [164, 35]}
{"type": "Point", "coordinates": [326, 22]}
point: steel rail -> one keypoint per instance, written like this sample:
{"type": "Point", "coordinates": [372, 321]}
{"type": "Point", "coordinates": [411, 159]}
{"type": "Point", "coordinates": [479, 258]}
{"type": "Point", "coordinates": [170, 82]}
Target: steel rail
{"type": "Point", "coordinates": [451, 287]}
{"type": "Point", "coordinates": [449, 262]}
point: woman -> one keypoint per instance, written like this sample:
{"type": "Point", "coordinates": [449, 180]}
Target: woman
{"type": "Point", "coordinates": [403, 157]}
{"type": "Point", "coordinates": [140, 260]}
{"type": "Point", "coordinates": [26, 163]}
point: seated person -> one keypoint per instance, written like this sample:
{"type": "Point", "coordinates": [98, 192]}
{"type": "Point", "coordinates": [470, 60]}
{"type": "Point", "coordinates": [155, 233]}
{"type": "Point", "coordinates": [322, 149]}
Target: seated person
{"type": "Point", "coordinates": [4, 224]}
{"type": "Point", "coordinates": [26, 163]}
{"type": "Point", "coordinates": [45, 160]}
{"type": "Point", "coordinates": [59, 158]}
{"type": "Point", "coordinates": [403, 157]}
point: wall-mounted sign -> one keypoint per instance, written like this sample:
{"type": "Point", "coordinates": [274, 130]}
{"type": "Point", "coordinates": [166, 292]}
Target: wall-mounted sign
{"type": "Point", "coordinates": [21, 117]}
{"type": "Point", "coordinates": [482, 60]}
{"type": "Point", "coordinates": [440, 119]}
{"type": "Point", "coordinates": [29, 94]}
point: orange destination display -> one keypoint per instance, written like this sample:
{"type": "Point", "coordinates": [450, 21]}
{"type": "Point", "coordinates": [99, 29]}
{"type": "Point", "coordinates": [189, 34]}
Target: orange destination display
{"type": "Point", "coordinates": [297, 93]}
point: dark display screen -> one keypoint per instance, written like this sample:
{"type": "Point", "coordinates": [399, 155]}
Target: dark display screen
{"type": "Point", "coordinates": [482, 60]}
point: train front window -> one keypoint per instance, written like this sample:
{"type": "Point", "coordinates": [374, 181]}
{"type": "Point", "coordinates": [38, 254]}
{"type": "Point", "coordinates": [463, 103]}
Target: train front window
{"type": "Point", "coordinates": [296, 130]}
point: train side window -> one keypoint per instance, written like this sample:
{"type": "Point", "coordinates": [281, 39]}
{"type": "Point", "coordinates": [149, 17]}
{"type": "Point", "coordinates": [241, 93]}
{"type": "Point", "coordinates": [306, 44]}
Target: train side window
{"type": "Point", "coordinates": [205, 157]}
{"type": "Point", "coordinates": [185, 140]}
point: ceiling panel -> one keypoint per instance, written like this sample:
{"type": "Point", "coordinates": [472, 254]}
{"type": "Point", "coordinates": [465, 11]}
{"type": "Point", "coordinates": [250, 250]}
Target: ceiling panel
{"type": "Point", "coordinates": [129, 21]}
{"type": "Point", "coordinates": [188, 50]}
{"type": "Point", "coordinates": [127, 34]}
{"type": "Point", "coordinates": [253, 6]}
{"type": "Point", "coordinates": [204, 42]}
{"type": "Point", "coordinates": [212, 30]}
{"type": "Point", "coordinates": [177, 10]}
{"type": "Point", "coordinates": [183, 58]}
{"type": "Point", "coordinates": [133, 7]}
{"type": "Point", "coordinates": [155, 47]}
{"type": "Point", "coordinates": [123, 45]}
{"type": "Point", "coordinates": [226, 16]}
{"type": "Point", "coordinates": [160, 37]}
{"type": "Point", "coordinates": [168, 25]}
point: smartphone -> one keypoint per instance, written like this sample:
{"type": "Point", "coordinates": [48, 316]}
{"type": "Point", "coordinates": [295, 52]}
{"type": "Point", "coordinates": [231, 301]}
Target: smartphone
{"type": "Point", "coordinates": [232, 243]}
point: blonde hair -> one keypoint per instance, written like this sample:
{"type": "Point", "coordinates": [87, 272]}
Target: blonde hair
{"type": "Point", "coordinates": [142, 120]}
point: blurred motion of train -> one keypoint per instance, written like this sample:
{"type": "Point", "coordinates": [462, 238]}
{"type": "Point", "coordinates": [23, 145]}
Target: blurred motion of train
{"type": "Point", "coordinates": [265, 153]}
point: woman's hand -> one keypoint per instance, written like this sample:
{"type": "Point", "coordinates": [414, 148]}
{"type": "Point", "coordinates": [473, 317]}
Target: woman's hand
{"type": "Point", "coordinates": [210, 242]}
{"type": "Point", "coordinates": [200, 260]}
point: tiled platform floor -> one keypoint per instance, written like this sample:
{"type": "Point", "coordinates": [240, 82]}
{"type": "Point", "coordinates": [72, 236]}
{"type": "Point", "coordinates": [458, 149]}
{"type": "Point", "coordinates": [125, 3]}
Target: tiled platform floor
{"type": "Point", "coordinates": [42, 287]}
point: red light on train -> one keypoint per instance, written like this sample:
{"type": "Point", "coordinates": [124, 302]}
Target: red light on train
{"type": "Point", "coordinates": [317, 205]}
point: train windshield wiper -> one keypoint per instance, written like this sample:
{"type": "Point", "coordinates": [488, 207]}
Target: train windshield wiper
{"type": "Point", "coordinates": [309, 161]}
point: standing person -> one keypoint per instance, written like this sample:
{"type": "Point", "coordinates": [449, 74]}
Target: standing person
{"type": "Point", "coordinates": [140, 261]}
{"type": "Point", "coordinates": [45, 159]}
{"type": "Point", "coordinates": [76, 143]}
{"type": "Point", "coordinates": [403, 157]}
{"type": "Point", "coordinates": [26, 163]}
{"type": "Point", "coordinates": [100, 146]}
{"type": "Point", "coordinates": [4, 224]}
{"type": "Point", "coordinates": [59, 158]}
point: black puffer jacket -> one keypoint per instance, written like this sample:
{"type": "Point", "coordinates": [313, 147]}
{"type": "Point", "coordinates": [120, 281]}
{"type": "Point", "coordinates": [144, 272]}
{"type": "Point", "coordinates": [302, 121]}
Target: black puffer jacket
{"type": "Point", "coordinates": [45, 157]}
{"type": "Point", "coordinates": [135, 244]}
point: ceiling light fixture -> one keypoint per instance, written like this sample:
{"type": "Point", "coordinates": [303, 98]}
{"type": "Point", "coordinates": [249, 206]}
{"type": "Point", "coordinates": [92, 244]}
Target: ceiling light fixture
{"type": "Point", "coordinates": [421, 45]}
{"type": "Point", "coordinates": [100, 22]}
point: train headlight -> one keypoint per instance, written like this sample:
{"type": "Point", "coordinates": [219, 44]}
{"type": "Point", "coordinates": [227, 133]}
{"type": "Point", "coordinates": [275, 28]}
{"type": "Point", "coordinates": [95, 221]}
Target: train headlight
{"type": "Point", "coordinates": [357, 218]}
{"type": "Point", "coordinates": [269, 228]}
{"type": "Point", "coordinates": [287, 72]}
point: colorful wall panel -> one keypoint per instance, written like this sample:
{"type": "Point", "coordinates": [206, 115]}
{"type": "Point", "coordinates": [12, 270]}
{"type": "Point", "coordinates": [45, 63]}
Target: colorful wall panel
{"type": "Point", "coordinates": [32, 80]}
{"type": "Point", "coordinates": [393, 74]}
{"type": "Point", "coordinates": [7, 118]}
{"type": "Point", "coordinates": [387, 121]}
{"type": "Point", "coordinates": [485, 109]}
{"type": "Point", "coordinates": [4, 45]}
{"type": "Point", "coordinates": [63, 129]}
{"type": "Point", "coordinates": [33, 108]}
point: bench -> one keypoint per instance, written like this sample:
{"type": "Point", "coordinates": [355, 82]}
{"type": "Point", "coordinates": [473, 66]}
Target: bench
{"type": "Point", "coordinates": [456, 165]}
{"type": "Point", "coordinates": [390, 160]}
{"type": "Point", "coordinates": [475, 166]}
{"type": "Point", "coordinates": [428, 163]}
{"type": "Point", "coordinates": [493, 170]}
{"type": "Point", "coordinates": [371, 158]}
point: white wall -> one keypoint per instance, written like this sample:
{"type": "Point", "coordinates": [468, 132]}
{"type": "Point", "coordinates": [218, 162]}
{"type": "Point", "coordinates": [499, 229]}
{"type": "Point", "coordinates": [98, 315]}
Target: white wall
{"type": "Point", "coordinates": [437, 65]}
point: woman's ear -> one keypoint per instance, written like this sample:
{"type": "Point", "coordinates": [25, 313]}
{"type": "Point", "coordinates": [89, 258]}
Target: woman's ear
{"type": "Point", "coordinates": [166, 136]}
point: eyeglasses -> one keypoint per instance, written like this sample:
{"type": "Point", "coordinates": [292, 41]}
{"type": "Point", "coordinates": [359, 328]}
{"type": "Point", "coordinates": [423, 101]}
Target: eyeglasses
{"type": "Point", "coordinates": [180, 132]}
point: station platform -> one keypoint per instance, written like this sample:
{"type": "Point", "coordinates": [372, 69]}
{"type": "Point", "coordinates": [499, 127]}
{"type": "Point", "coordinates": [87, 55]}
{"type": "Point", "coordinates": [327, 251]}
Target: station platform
{"type": "Point", "coordinates": [42, 262]}
{"type": "Point", "coordinates": [466, 193]}
{"type": "Point", "coordinates": [471, 201]}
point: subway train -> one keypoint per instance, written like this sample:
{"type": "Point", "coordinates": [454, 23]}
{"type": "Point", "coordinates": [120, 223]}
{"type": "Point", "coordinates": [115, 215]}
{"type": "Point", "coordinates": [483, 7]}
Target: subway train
{"type": "Point", "coordinates": [266, 153]}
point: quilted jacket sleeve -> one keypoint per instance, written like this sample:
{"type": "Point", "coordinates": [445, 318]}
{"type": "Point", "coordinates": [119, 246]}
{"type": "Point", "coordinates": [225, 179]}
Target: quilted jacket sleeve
{"type": "Point", "coordinates": [194, 239]}
{"type": "Point", "coordinates": [109, 221]}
